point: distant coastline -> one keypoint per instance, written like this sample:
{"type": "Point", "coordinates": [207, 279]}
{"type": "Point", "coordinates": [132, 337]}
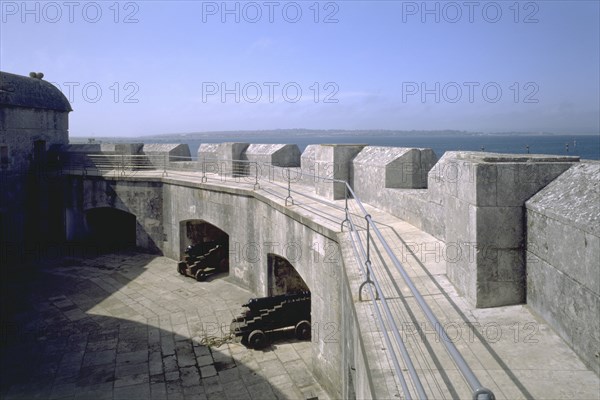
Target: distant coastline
{"type": "Point", "coordinates": [318, 133]}
{"type": "Point", "coordinates": [584, 146]}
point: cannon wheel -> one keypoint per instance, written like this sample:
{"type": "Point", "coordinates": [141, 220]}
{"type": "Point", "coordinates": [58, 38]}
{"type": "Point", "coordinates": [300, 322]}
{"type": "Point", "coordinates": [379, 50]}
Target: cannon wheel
{"type": "Point", "coordinates": [181, 267]}
{"type": "Point", "coordinates": [200, 276]}
{"type": "Point", "coordinates": [302, 330]}
{"type": "Point", "coordinates": [257, 339]}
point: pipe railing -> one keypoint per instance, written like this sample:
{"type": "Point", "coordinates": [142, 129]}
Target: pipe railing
{"type": "Point", "coordinates": [251, 172]}
{"type": "Point", "coordinates": [456, 356]}
{"type": "Point", "coordinates": [391, 321]}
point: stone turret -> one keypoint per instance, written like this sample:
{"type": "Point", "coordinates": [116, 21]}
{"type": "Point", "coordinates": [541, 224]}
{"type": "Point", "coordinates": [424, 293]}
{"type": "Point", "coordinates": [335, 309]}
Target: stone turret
{"type": "Point", "coordinates": [34, 115]}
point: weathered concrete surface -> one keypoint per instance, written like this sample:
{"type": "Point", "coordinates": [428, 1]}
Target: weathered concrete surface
{"type": "Point", "coordinates": [231, 151]}
{"type": "Point", "coordinates": [387, 177]}
{"type": "Point", "coordinates": [258, 226]}
{"type": "Point", "coordinates": [376, 168]}
{"type": "Point", "coordinates": [334, 161]}
{"type": "Point", "coordinates": [222, 151]}
{"type": "Point", "coordinates": [272, 160]}
{"type": "Point", "coordinates": [169, 155]}
{"type": "Point", "coordinates": [128, 326]}
{"type": "Point", "coordinates": [512, 369]}
{"type": "Point", "coordinates": [207, 151]}
{"type": "Point", "coordinates": [307, 159]}
{"type": "Point", "coordinates": [159, 153]}
{"type": "Point", "coordinates": [128, 148]}
{"type": "Point", "coordinates": [172, 149]}
{"type": "Point", "coordinates": [224, 158]}
{"type": "Point", "coordinates": [511, 351]}
{"type": "Point", "coordinates": [482, 196]}
{"type": "Point", "coordinates": [304, 174]}
{"type": "Point", "coordinates": [415, 206]}
{"type": "Point", "coordinates": [563, 258]}
{"type": "Point", "coordinates": [279, 155]}
{"type": "Point", "coordinates": [142, 199]}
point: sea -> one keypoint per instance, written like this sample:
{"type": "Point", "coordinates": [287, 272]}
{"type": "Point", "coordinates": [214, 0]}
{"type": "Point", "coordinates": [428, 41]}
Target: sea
{"type": "Point", "coordinates": [584, 146]}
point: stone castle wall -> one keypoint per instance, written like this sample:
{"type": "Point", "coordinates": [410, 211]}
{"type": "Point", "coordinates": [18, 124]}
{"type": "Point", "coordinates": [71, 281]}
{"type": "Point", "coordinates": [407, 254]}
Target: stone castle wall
{"type": "Point", "coordinates": [474, 200]}
{"type": "Point", "coordinates": [25, 198]}
{"type": "Point", "coordinates": [256, 227]}
{"type": "Point", "coordinates": [563, 258]}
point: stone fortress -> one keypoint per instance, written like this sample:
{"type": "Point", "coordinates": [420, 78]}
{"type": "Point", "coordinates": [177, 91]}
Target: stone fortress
{"type": "Point", "coordinates": [497, 234]}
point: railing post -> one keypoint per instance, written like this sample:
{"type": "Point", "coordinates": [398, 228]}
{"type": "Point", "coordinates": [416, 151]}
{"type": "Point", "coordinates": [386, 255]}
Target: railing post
{"type": "Point", "coordinates": [165, 165]}
{"type": "Point", "coordinates": [347, 219]}
{"type": "Point", "coordinates": [368, 239]}
{"type": "Point", "coordinates": [487, 393]}
{"type": "Point", "coordinates": [367, 263]}
{"type": "Point", "coordinates": [256, 185]}
{"type": "Point", "coordinates": [204, 178]}
{"type": "Point", "coordinates": [289, 196]}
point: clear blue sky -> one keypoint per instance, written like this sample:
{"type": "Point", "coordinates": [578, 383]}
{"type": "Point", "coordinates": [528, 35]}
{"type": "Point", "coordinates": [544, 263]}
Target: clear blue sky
{"type": "Point", "coordinates": [164, 71]}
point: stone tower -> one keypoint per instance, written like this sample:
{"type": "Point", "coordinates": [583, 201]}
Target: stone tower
{"type": "Point", "coordinates": [34, 116]}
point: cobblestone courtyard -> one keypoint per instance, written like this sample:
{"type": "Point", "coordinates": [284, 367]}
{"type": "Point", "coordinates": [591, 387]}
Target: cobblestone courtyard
{"type": "Point", "coordinates": [127, 326]}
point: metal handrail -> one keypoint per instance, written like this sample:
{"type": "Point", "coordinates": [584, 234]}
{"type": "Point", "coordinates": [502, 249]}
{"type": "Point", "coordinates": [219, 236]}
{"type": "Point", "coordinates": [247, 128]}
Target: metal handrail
{"type": "Point", "coordinates": [379, 295]}
{"type": "Point", "coordinates": [127, 161]}
{"type": "Point", "coordinates": [458, 359]}
{"type": "Point", "coordinates": [452, 350]}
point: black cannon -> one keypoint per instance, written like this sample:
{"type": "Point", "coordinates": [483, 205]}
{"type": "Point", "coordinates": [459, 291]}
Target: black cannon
{"type": "Point", "coordinates": [270, 313]}
{"type": "Point", "coordinates": [204, 259]}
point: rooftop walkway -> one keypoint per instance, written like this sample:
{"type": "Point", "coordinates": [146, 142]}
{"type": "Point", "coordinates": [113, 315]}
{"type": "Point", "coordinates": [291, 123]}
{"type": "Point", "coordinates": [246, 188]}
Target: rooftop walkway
{"type": "Point", "coordinates": [512, 351]}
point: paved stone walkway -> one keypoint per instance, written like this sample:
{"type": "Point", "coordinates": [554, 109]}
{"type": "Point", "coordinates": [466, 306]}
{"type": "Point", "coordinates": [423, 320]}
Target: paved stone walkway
{"type": "Point", "coordinates": [511, 350]}
{"type": "Point", "coordinates": [127, 326]}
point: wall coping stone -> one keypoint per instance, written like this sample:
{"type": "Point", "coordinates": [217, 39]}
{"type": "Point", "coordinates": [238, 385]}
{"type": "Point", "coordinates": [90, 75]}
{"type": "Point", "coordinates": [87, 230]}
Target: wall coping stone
{"type": "Point", "coordinates": [295, 215]}
{"type": "Point", "coordinates": [484, 157]}
{"type": "Point", "coordinates": [573, 198]}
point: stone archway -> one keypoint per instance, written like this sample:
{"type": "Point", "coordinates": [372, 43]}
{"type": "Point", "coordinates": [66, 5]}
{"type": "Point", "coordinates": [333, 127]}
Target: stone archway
{"type": "Point", "coordinates": [283, 277]}
{"type": "Point", "coordinates": [205, 237]}
{"type": "Point", "coordinates": [111, 228]}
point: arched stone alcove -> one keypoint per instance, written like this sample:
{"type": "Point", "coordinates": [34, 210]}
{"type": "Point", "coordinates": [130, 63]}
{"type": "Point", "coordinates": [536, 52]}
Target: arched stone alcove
{"type": "Point", "coordinates": [283, 277]}
{"type": "Point", "coordinates": [205, 236]}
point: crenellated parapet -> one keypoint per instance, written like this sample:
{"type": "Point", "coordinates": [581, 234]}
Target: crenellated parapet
{"type": "Point", "coordinates": [160, 154]}
{"type": "Point", "coordinates": [391, 167]}
{"type": "Point", "coordinates": [472, 201]}
{"type": "Point", "coordinates": [496, 251]}
{"type": "Point", "coordinates": [225, 158]}
{"type": "Point", "coordinates": [482, 198]}
{"type": "Point", "coordinates": [279, 155]}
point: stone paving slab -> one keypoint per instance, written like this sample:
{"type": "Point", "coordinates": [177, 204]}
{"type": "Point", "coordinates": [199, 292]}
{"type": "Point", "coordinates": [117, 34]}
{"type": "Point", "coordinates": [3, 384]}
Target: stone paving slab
{"type": "Point", "coordinates": [128, 326]}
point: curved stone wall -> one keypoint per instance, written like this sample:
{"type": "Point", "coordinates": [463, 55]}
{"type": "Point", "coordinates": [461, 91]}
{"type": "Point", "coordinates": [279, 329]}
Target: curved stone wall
{"type": "Point", "coordinates": [256, 226]}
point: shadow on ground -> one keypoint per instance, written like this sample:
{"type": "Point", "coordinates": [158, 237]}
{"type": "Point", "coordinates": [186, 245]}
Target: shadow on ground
{"type": "Point", "coordinates": [126, 325]}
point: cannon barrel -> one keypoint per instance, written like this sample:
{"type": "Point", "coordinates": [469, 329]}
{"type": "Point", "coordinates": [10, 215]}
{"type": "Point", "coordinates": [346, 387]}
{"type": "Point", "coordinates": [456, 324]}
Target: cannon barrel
{"type": "Point", "coordinates": [200, 249]}
{"type": "Point", "coordinates": [269, 302]}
